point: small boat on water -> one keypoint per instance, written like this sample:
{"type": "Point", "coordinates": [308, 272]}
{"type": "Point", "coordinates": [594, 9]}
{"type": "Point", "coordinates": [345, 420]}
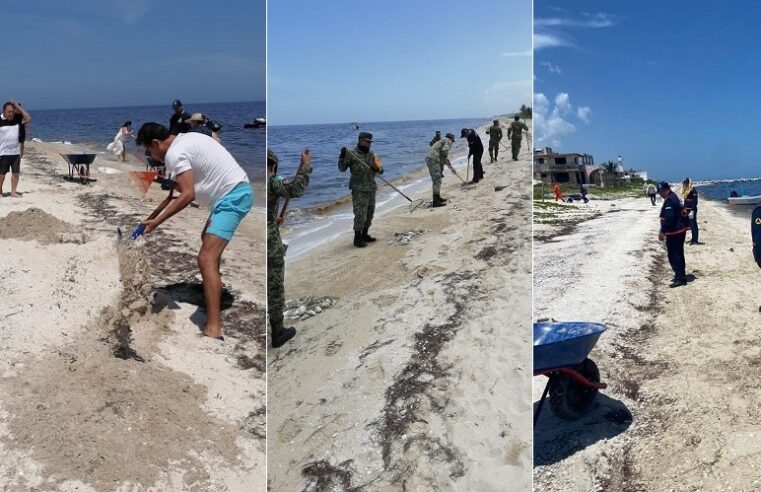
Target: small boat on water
{"type": "Point", "coordinates": [256, 123]}
{"type": "Point", "coordinates": [744, 200]}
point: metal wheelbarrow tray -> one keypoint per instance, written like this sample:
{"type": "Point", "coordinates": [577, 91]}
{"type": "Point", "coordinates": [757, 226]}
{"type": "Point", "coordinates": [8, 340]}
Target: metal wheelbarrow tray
{"type": "Point", "coordinates": [561, 353]}
{"type": "Point", "coordinates": [81, 164]}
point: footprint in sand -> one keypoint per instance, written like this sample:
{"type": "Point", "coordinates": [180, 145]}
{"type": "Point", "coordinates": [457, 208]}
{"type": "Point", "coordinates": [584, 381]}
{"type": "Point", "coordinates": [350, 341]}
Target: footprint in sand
{"type": "Point", "coordinates": [333, 347]}
{"type": "Point", "coordinates": [288, 430]}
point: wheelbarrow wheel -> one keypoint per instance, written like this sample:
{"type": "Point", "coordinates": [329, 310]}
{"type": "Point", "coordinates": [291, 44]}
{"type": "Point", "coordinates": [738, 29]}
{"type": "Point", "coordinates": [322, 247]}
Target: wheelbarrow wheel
{"type": "Point", "coordinates": [569, 399]}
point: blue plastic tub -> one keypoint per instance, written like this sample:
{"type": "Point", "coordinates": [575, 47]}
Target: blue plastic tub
{"type": "Point", "coordinates": [564, 344]}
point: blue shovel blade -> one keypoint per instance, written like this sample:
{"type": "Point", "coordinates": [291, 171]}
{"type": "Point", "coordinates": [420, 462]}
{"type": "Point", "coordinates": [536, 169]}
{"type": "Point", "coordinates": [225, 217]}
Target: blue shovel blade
{"type": "Point", "coordinates": [138, 231]}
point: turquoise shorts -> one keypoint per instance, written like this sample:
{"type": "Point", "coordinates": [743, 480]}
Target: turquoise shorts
{"type": "Point", "coordinates": [229, 210]}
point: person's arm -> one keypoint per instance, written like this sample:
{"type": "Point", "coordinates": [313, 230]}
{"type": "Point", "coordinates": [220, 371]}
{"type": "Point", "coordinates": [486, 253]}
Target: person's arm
{"type": "Point", "coordinates": [298, 185]}
{"type": "Point", "coordinates": [215, 136]}
{"type": "Point", "coordinates": [509, 132]}
{"type": "Point", "coordinates": [343, 160]}
{"type": "Point", "coordinates": [184, 183]}
{"type": "Point", "coordinates": [25, 118]}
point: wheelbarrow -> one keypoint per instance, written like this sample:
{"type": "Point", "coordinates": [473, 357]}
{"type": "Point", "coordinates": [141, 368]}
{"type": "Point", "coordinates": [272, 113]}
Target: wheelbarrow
{"type": "Point", "coordinates": [561, 352]}
{"type": "Point", "coordinates": [79, 164]}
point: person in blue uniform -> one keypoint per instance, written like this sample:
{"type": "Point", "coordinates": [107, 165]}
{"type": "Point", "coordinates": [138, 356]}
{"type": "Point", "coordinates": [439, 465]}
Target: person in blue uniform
{"type": "Point", "coordinates": [690, 197]}
{"type": "Point", "coordinates": [674, 226]}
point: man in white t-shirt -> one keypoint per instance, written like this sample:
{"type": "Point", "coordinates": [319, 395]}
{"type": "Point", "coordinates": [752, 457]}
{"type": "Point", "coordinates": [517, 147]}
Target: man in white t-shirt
{"type": "Point", "coordinates": [12, 133]}
{"type": "Point", "coordinates": [206, 172]}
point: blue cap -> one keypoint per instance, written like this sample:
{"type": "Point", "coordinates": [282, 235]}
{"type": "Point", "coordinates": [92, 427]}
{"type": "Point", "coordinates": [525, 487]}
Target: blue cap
{"type": "Point", "coordinates": [176, 103]}
{"type": "Point", "coordinates": [663, 186]}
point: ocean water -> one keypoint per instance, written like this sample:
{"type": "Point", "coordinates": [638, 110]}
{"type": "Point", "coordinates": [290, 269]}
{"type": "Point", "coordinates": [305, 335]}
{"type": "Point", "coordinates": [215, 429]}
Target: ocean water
{"type": "Point", "coordinates": [97, 126]}
{"type": "Point", "coordinates": [720, 191]}
{"type": "Point", "coordinates": [401, 146]}
{"type": "Point", "coordinates": [324, 213]}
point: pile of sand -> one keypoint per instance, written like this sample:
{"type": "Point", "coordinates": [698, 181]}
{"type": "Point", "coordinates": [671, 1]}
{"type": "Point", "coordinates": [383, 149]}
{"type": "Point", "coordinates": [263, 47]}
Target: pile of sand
{"type": "Point", "coordinates": [34, 223]}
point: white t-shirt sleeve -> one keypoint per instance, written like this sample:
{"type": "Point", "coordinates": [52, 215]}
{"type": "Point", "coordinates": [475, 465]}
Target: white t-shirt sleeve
{"type": "Point", "coordinates": [178, 164]}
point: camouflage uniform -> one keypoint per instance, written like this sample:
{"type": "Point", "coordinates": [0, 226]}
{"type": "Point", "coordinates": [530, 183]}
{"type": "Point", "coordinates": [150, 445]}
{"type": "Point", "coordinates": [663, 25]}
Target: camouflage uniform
{"type": "Point", "coordinates": [276, 189]}
{"type": "Point", "coordinates": [515, 134]}
{"type": "Point", "coordinates": [495, 135]}
{"type": "Point", "coordinates": [435, 159]}
{"type": "Point", "coordinates": [362, 185]}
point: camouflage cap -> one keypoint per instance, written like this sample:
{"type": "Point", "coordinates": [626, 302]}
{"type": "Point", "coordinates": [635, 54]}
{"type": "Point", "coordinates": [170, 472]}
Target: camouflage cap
{"type": "Point", "coordinates": [366, 136]}
{"type": "Point", "coordinates": [271, 157]}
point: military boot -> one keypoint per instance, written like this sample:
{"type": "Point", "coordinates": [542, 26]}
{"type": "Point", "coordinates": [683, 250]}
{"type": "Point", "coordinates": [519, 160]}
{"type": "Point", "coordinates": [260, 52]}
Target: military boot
{"type": "Point", "coordinates": [281, 335]}
{"type": "Point", "coordinates": [359, 242]}
{"type": "Point", "coordinates": [438, 201]}
{"type": "Point", "coordinates": [367, 237]}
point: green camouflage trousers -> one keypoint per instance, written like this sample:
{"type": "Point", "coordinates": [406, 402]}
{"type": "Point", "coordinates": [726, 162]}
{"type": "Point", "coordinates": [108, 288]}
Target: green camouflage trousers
{"type": "Point", "coordinates": [434, 168]}
{"type": "Point", "coordinates": [516, 147]}
{"type": "Point", "coordinates": [493, 148]}
{"type": "Point", "coordinates": [364, 209]}
{"type": "Point", "coordinates": [275, 291]}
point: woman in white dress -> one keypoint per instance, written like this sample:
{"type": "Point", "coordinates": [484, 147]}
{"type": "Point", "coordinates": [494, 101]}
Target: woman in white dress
{"type": "Point", "coordinates": [117, 146]}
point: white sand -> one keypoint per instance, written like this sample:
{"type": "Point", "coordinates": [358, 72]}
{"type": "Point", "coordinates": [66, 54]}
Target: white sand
{"type": "Point", "coordinates": [417, 377]}
{"type": "Point", "coordinates": [74, 417]}
{"type": "Point", "coordinates": [681, 412]}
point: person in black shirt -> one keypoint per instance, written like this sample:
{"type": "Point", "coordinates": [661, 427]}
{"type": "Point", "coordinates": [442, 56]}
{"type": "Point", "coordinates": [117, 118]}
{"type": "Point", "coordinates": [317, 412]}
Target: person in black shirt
{"type": "Point", "coordinates": [12, 135]}
{"type": "Point", "coordinates": [178, 121]}
{"type": "Point", "coordinates": [475, 149]}
{"type": "Point", "coordinates": [674, 226]}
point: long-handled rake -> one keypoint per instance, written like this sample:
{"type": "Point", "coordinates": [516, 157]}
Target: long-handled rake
{"type": "Point", "coordinates": [414, 204]}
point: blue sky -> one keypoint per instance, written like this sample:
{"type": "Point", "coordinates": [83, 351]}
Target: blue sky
{"type": "Point", "coordinates": [668, 85]}
{"type": "Point", "coordinates": [343, 61]}
{"type": "Point", "coordinates": [102, 53]}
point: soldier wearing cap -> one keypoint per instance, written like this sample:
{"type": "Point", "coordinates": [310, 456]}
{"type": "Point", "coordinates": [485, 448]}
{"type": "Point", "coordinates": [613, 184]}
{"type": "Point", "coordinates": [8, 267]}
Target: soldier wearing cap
{"type": "Point", "coordinates": [435, 138]}
{"type": "Point", "coordinates": [276, 189]}
{"type": "Point", "coordinates": [178, 123]}
{"type": "Point", "coordinates": [495, 135]}
{"type": "Point", "coordinates": [515, 134]}
{"type": "Point", "coordinates": [475, 149]}
{"type": "Point", "coordinates": [363, 165]}
{"type": "Point", "coordinates": [674, 227]}
{"type": "Point", "coordinates": [438, 156]}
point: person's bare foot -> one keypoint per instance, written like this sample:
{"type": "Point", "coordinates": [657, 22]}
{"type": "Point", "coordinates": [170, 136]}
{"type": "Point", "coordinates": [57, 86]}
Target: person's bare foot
{"type": "Point", "coordinates": [16, 194]}
{"type": "Point", "coordinates": [213, 333]}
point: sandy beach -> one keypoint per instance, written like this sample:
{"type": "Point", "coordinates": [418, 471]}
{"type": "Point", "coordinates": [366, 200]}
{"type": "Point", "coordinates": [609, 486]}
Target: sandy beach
{"type": "Point", "coordinates": [82, 410]}
{"type": "Point", "coordinates": [413, 375]}
{"type": "Point", "coordinates": [681, 410]}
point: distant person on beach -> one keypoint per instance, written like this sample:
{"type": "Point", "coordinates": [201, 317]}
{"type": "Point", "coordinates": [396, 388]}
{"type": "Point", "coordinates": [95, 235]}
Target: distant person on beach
{"type": "Point", "coordinates": [515, 134]}
{"type": "Point", "coordinates": [363, 165]}
{"type": "Point", "coordinates": [495, 135]}
{"type": "Point", "coordinates": [690, 197]}
{"type": "Point", "coordinates": [200, 124]}
{"type": "Point", "coordinates": [558, 192]}
{"type": "Point", "coordinates": [438, 156]}
{"type": "Point", "coordinates": [277, 189]}
{"type": "Point", "coordinates": [435, 138]}
{"type": "Point", "coordinates": [12, 135]}
{"type": "Point", "coordinates": [178, 121]}
{"type": "Point", "coordinates": [674, 228]}
{"type": "Point", "coordinates": [733, 194]}
{"type": "Point", "coordinates": [117, 146]}
{"type": "Point", "coordinates": [202, 170]}
{"type": "Point", "coordinates": [583, 192]}
{"type": "Point", "coordinates": [475, 149]}
{"type": "Point", "coordinates": [650, 190]}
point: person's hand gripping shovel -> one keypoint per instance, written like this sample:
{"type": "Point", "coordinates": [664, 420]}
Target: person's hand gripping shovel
{"type": "Point", "coordinates": [140, 229]}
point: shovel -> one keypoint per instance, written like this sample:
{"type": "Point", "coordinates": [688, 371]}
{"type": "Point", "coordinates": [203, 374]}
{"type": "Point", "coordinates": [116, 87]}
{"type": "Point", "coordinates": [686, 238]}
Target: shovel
{"type": "Point", "coordinates": [141, 227]}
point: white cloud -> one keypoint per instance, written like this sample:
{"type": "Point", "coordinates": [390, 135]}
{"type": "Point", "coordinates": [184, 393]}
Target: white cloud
{"type": "Point", "coordinates": [550, 121]}
{"type": "Point", "coordinates": [583, 112]}
{"type": "Point", "coordinates": [527, 52]}
{"type": "Point", "coordinates": [589, 21]}
{"type": "Point", "coordinates": [552, 68]}
{"type": "Point", "coordinates": [545, 40]}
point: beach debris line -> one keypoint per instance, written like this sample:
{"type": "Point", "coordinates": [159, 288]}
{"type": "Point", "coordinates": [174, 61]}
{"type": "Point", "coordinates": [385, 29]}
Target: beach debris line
{"type": "Point", "coordinates": [306, 307]}
{"type": "Point", "coordinates": [401, 238]}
